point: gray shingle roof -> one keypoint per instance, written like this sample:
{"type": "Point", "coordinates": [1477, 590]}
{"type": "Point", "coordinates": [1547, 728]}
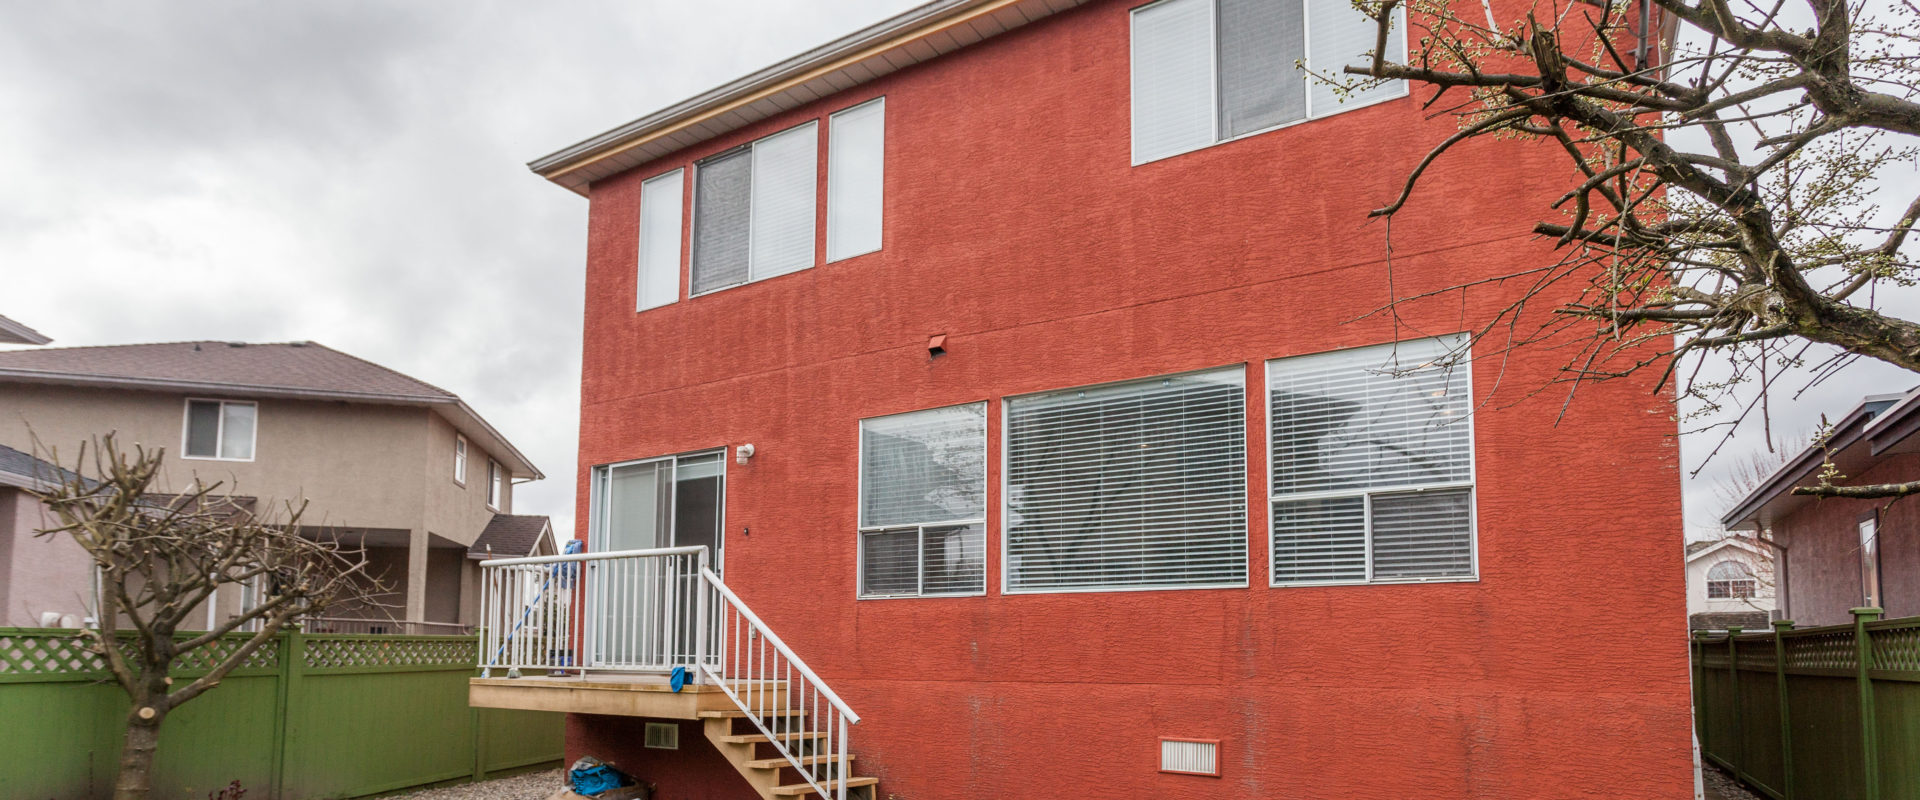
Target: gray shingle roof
{"type": "Point", "coordinates": [15, 333]}
{"type": "Point", "coordinates": [509, 536]}
{"type": "Point", "coordinates": [27, 470]}
{"type": "Point", "coordinates": [300, 366]}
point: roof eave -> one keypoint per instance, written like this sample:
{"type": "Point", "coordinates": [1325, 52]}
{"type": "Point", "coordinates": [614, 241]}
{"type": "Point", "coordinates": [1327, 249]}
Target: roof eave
{"type": "Point", "coordinates": [13, 332]}
{"type": "Point", "coordinates": [1850, 431]}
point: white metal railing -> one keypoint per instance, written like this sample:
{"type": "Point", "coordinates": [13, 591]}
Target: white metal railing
{"type": "Point", "coordinates": [789, 704]}
{"type": "Point", "coordinates": [653, 611]}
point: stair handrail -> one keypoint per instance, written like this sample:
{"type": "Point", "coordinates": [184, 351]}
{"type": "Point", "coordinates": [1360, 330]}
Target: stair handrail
{"type": "Point", "coordinates": [760, 628]}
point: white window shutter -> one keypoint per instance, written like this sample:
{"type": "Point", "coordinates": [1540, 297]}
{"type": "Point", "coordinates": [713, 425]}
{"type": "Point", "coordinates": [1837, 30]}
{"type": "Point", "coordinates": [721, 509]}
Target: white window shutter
{"type": "Point", "coordinates": [1339, 36]}
{"type": "Point", "coordinates": [1132, 485]}
{"type": "Point", "coordinates": [786, 182]}
{"type": "Point", "coordinates": [856, 158]}
{"type": "Point", "coordinates": [1173, 78]}
{"type": "Point", "coordinates": [659, 279]}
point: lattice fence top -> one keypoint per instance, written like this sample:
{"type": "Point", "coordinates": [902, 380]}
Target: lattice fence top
{"type": "Point", "coordinates": [1895, 649]}
{"type": "Point", "coordinates": [41, 653]}
{"type": "Point", "coordinates": [1825, 650]}
{"type": "Point", "coordinates": [324, 652]}
{"type": "Point", "coordinates": [1756, 655]}
{"type": "Point", "coordinates": [210, 655]}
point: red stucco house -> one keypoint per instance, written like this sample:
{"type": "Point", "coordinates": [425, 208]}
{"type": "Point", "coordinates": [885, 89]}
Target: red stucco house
{"type": "Point", "coordinates": [1008, 365]}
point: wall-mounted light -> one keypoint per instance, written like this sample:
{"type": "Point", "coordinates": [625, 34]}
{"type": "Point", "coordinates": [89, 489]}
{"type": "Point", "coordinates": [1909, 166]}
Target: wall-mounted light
{"type": "Point", "coordinates": [742, 453]}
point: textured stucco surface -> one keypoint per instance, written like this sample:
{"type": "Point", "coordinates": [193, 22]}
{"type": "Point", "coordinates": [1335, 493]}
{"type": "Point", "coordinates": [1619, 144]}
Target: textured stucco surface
{"type": "Point", "coordinates": [1823, 551]}
{"type": "Point", "coordinates": [38, 574]}
{"type": "Point", "coordinates": [1015, 225]}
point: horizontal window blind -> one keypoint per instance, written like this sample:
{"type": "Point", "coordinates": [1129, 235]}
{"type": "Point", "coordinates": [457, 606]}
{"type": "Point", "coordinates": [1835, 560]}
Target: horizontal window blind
{"type": "Point", "coordinates": [722, 216]}
{"type": "Point", "coordinates": [1351, 432]}
{"type": "Point", "coordinates": [1259, 85]}
{"type": "Point", "coordinates": [1173, 82]}
{"type": "Point", "coordinates": [1133, 485]}
{"type": "Point", "coordinates": [659, 280]}
{"type": "Point", "coordinates": [786, 179]}
{"type": "Point", "coordinates": [856, 158]}
{"type": "Point", "coordinates": [1340, 36]}
{"type": "Point", "coordinates": [923, 487]}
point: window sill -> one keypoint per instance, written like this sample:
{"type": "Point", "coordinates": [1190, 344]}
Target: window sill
{"type": "Point", "coordinates": [1390, 582]}
{"type": "Point", "coordinates": [691, 294]}
{"type": "Point", "coordinates": [919, 596]}
{"type": "Point", "coordinates": [1110, 589]}
{"type": "Point", "coordinates": [1344, 108]}
{"type": "Point", "coordinates": [217, 458]}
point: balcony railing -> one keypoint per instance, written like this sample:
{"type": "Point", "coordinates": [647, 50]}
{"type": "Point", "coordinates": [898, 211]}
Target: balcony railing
{"type": "Point", "coordinates": [653, 611]}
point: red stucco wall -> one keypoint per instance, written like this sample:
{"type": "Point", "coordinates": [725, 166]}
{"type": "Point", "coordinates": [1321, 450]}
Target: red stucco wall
{"type": "Point", "coordinates": [1015, 224]}
{"type": "Point", "coordinates": [1823, 551]}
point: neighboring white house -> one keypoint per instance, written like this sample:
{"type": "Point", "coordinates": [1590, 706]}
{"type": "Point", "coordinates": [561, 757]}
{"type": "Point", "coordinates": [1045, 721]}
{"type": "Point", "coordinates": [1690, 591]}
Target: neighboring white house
{"type": "Point", "coordinates": [1730, 581]}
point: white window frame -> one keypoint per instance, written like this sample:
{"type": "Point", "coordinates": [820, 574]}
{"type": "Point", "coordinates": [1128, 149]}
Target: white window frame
{"type": "Point", "coordinates": [597, 495]}
{"type": "Point", "coordinates": [827, 231]}
{"type": "Point", "coordinates": [1006, 508]}
{"type": "Point", "coordinates": [680, 260]}
{"type": "Point", "coordinates": [693, 211]}
{"type": "Point", "coordinates": [220, 430]}
{"type": "Point", "coordinates": [1306, 55]}
{"type": "Point", "coordinates": [460, 451]}
{"type": "Point", "coordinates": [920, 542]}
{"type": "Point", "coordinates": [496, 484]}
{"type": "Point", "coordinates": [1472, 485]}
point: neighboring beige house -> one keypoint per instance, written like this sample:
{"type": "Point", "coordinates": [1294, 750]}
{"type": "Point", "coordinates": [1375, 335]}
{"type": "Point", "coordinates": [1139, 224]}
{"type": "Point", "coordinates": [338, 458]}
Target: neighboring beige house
{"type": "Point", "coordinates": [404, 469]}
{"type": "Point", "coordinates": [1730, 581]}
{"type": "Point", "coordinates": [44, 581]}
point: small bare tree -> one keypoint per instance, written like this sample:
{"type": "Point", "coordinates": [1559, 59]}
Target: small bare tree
{"type": "Point", "coordinates": [1723, 162]}
{"type": "Point", "coordinates": [162, 556]}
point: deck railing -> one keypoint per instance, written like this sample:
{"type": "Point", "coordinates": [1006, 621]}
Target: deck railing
{"type": "Point", "coordinates": [653, 611]}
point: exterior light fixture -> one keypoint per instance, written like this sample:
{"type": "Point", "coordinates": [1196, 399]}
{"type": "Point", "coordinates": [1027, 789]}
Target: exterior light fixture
{"type": "Point", "coordinates": [742, 453]}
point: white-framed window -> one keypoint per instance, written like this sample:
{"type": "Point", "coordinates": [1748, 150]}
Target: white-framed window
{"type": "Point", "coordinates": [1371, 459]}
{"type": "Point", "coordinates": [658, 282]}
{"type": "Point", "coordinates": [923, 503]}
{"type": "Point", "coordinates": [753, 210]}
{"type": "Point", "coordinates": [1869, 527]}
{"type": "Point", "coordinates": [856, 171]}
{"type": "Point", "coordinates": [1731, 580]}
{"type": "Point", "coordinates": [1134, 485]}
{"type": "Point", "coordinates": [496, 484]}
{"type": "Point", "coordinates": [221, 430]}
{"type": "Point", "coordinates": [460, 459]}
{"type": "Point", "coordinates": [1208, 71]}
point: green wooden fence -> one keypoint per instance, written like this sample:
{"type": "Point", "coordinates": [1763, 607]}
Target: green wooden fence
{"type": "Point", "coordinates": [1828, 713]}
{"type": "Point", "coordinates": [309, 716]}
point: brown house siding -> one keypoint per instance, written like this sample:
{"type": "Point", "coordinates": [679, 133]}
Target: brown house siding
{"type": "Point", "coordinates": [1823, 551]}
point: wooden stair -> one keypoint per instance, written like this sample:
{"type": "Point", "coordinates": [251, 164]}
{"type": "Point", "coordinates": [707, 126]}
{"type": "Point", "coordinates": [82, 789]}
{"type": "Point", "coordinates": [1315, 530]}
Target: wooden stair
{"type": "Point", "coordinates": [770, 774]}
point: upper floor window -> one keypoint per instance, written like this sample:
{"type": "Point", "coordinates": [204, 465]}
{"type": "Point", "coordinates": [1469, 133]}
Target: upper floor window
{"type": "Point", "coordinates": [460, 459]}
{"type": "Point", "coordinates": [1731, 580]}
{"type": "Point", "coordinates": [220, 429]}
{"type": "Point", "coordinates": [1206, 71]}
{"type": "Point", "coordinates": [856, 166]}
{"type": "Point", "coordinates": [1130, 485]}
{"type": "Point", "coordinates": [1869, 527]}
{"type": "Point", "coordinates": [753, 210]}
{"type": "Point", "coordinates": [496, 485]}
{"type": "Point", "coordinates": [1372, 465]}
{"type": "Point", "coordinates": [923, 503]}
{"type": "Point", "coordinates": [659, 278]}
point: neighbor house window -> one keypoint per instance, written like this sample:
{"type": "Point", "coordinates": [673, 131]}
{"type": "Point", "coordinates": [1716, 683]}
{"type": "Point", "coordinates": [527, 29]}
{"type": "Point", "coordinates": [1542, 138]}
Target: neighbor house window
{"type": "Point", "coordinates": [659, 279]}
{"type": "Point", "coordinates": [1205, 71]}
{"type": "Point", "coordinates": [1135, 485]}
{"type": "Point", "coordinates": [1869, 527]}
{"type": "Point", "coordinates": [220, 429]}
{"type": "Point", "coordinates": [1730, 580]}
{"type": "Point", "coordinates": [753, 210]}
{"type": "Point", "coordinates": [1372, 465]}
{"type": "Point", "coordinates": [460, 459]}
{"type": "Point", "coordinates": [923, 503]}
{"type": "Point", "coordinates": [496, 484]}
{"type": "Point", "coordinates": [856, 160]}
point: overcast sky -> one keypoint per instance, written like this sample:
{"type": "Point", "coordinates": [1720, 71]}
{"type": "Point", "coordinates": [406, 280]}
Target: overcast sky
{"type": "Point", "coordinates": [353, 173]}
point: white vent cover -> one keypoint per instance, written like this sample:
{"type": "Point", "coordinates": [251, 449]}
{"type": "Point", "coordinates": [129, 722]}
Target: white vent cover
{"type": "Point", "coordinates": [1190, 756]}
{"type": "Point", "coordinates": [663, 736]}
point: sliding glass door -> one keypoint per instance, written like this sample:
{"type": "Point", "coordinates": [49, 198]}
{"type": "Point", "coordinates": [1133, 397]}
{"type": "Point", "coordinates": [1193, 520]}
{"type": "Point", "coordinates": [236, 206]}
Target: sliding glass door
{"type": "Point", "coordinates": [643, 608]}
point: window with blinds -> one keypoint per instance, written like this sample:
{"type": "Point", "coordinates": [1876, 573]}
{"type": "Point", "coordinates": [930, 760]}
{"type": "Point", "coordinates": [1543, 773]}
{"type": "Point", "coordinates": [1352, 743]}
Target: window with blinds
{"type": "Point", "coordinates": [1205, 71]}
{"type": "Point", "coordinates": [923, 503]}
{"type": "Point", "coordinates": [856, 161]}
{"type": "Point", "coordinates": [659, 279]}
{"type": "Point", "coordinates": [753, 210]}
{"type": "Point", "coordinates": [1137, 485]}
{"type": "Point", "coordinates": [1372, 464]}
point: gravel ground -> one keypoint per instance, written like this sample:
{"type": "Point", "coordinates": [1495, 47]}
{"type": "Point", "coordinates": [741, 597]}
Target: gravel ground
{"type": "Point", "coordinates": [1721, 786]}
{"type": "Point", "coordinates": [531, 786]}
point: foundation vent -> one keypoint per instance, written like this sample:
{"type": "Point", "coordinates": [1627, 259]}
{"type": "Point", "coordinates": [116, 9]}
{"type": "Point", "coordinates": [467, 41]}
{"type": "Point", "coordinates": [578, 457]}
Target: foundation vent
{"type": "Point", "coordinates": [1190, 756]}
{"type": "Point", "coordinates": [663, 736]}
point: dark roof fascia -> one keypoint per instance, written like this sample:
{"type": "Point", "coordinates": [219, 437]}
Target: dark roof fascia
{"type": "Point", "coordinates": [16, 333]}
{"type": "Point", "coordinates": [1849, 432]}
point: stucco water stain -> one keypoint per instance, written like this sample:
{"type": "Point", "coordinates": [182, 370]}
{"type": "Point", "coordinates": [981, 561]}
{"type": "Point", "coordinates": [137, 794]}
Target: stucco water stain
{"type": "Point", "coordinates": [1015, 224]}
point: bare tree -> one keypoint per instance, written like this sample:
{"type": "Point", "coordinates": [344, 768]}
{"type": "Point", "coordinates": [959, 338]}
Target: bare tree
{"type": "Point", "coordinates": [1723, 160]}
{"type": "Point", "coordinates": [160, 557]}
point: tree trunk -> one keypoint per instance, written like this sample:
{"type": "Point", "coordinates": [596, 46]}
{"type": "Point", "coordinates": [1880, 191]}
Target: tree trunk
{"type": "Point", "coordinates": [135, 781]}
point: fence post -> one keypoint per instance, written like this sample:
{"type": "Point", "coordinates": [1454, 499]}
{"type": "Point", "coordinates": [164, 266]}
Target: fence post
{"type": "Point", "coordinates": [1738, 752]}
{"type": "Point", "coordinates": [293, 658]}
{"type": "Point", "coordinates": [1780, 627]}
{"type": "Point", "coordinates": [479, 740]}
{"type": "Point", "coordinates": [1869, 734]}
